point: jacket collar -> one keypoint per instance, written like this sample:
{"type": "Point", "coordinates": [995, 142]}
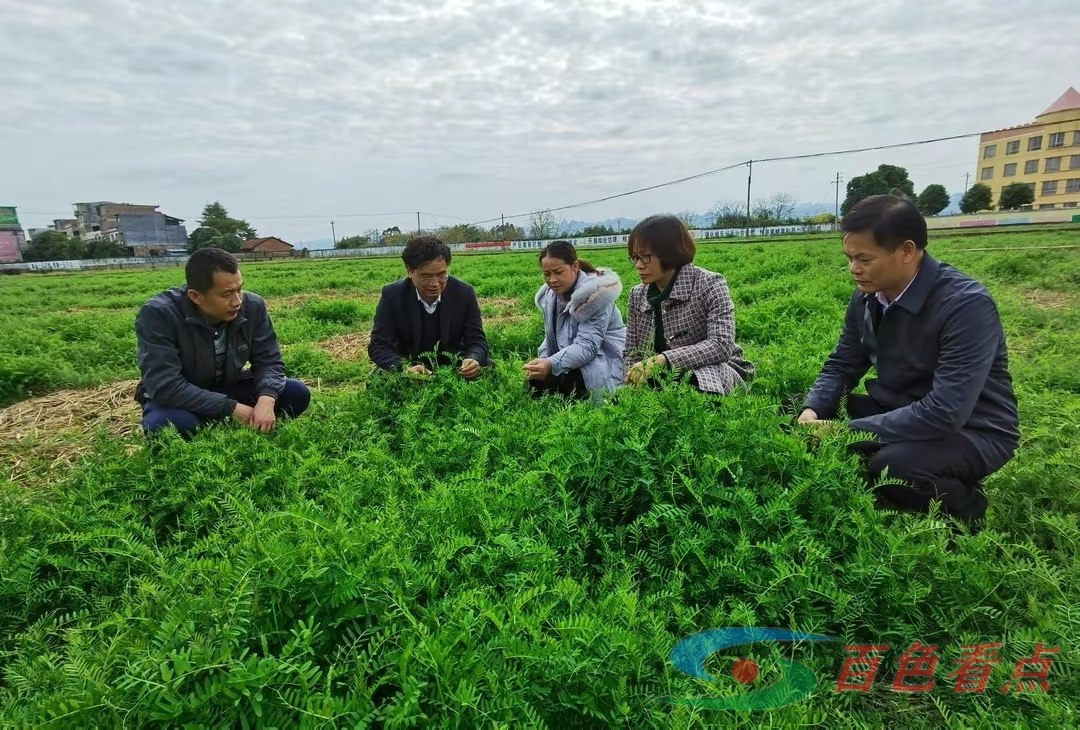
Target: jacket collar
{"type": "Point", "coordinates": [684, 283]}
{"type": "Point", "coordinates": [920, 287]}
{"type": "Point", "coordinates": [681, 290]}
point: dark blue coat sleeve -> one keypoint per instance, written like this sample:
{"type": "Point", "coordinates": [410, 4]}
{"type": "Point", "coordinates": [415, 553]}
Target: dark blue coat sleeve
{"type": "Point", "coordinates": [474, 341]}
{"type": "Point", "coordinates": [383, 345]}
{"type": "Point", "coordinates": [267, 366]}
{"type": "Point", "coordinates": [846, 364]}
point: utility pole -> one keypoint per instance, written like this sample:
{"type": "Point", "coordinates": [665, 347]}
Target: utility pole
{"type": "Point", "coordinates": [836, 213]}
{"type": "Point", "coordinates": [967, 177]}
{"type": "Point", "coordinates": [333, 233]}
{"type": "Point", "coordinates": [418, 221]}
{"type": "Point", "coordinates": [749, 177]}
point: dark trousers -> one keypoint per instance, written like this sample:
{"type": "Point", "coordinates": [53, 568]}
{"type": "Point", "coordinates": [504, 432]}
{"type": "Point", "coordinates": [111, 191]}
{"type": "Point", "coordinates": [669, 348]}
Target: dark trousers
{"type": "Point", "coordinates": [293, 401]}
{"type": "Point", "coordinates": [570, 384]}
{"type": "Point", "coordinates": [949, 469]}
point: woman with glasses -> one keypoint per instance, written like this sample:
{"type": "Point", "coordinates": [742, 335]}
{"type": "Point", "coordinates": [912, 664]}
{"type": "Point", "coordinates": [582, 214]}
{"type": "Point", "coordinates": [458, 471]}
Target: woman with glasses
{"type": "Point", "coordinates": [680, 318]}
{"type": "Point", "coordinates": [584, 335]}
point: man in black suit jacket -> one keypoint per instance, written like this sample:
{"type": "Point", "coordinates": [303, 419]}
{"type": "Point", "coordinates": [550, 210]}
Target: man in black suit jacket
{"type": "Point", "coordinates": [427, 311]}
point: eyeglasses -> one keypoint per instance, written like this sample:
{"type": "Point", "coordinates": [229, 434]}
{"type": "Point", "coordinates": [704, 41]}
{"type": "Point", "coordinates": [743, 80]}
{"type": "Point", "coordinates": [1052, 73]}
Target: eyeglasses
{"type": "Point", "coordinates": [643, 258]}
{"type": "Point", "coordinates": [432, 278]}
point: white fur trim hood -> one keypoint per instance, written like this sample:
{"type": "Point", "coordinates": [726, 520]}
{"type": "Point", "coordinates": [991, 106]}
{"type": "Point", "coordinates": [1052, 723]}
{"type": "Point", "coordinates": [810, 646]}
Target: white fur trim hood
{"type": "Point", "coordinates": [592, 293]}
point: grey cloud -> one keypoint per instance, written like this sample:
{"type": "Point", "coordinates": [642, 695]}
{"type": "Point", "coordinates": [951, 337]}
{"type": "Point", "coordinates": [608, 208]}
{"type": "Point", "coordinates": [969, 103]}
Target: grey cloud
{"type": "Point", "coordinates": [472, 106]}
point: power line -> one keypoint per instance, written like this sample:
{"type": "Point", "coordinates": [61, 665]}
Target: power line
{"type": "Point", "coordinates": [620, 195]}
{"type": "Point", "coordinates": [336, 215]}
{"type": "Point", "coordinates": [741, 164]}
{"type": "Point", "coordinates": [870, 149]}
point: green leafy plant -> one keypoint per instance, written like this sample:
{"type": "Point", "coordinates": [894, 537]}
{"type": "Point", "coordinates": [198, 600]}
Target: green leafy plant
{"type": "Point", "coordinates": [456, 553]}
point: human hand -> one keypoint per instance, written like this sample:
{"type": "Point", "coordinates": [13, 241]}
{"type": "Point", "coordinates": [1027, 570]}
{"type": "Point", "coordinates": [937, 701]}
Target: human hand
{"type": "Point", "coordinates": [646, 369]}
{"type": "Point", "coordinates": [655, 363]}
{"type": "Point", "coordinates": [808, 414]}
{"type": "Point", "coordinates": [418, 372]}
{"type": "Point", "coordinates": [469, 368]}
{"type": "Point", "coordinates": [263, 417]}
{"type": "Point", "coordinates": [537, 369]}
{"type": "Point", "coordinates": [818, 425]}
{"type": "Point", "coordinates": [243, 413]}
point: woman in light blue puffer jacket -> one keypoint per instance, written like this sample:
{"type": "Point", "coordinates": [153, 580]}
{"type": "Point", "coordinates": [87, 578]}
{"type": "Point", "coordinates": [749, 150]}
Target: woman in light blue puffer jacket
{"type": "Point", "coordinates": [584, 334]}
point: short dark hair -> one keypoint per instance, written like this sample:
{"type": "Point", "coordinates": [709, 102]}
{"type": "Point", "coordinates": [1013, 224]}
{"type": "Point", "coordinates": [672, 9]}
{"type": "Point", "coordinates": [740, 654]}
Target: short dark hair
{"type": "Point", "coordinates": [421, 249]}
{"type": "Point", "coordinates": [565, 252]}
{"type": "Point", "coordinates": [666, 237]}
{"type": "Point", "coordinates": [202, 264]}
{"type": "Point", "coordinates": [890, 218]}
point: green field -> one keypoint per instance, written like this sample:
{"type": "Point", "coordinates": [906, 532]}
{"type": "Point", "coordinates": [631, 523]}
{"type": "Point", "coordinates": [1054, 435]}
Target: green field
{"type": "Point", "coordinates": [457, 554]}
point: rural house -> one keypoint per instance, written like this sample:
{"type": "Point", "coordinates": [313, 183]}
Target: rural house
{"type": "Point", "coordinates": [268, 244]}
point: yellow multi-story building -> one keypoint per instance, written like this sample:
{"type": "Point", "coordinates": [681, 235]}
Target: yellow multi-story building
{"type": "Point", "coordinates": [1044, 154]}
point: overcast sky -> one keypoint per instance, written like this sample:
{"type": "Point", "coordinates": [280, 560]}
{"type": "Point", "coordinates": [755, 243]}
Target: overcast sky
{"type": "Point", "coordinates": [293, 112]}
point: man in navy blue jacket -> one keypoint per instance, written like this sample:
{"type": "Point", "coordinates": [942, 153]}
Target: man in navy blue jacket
{"type": "Point", "coordinates": [194, 343]}
{"type": "Point", "coordinates": [941, 410]}
{"type": "Point", "coordinates": [429, 318]}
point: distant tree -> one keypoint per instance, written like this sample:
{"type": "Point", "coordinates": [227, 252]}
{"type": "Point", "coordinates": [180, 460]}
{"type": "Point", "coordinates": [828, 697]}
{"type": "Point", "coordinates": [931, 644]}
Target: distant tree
{"type": "Point", "coordinates": [886, 180]}
{"type": "Point", "coordinates": [593, 231]}
{"type": "Point", "coordinates": [212, 237]}
{"type": "Point", "coordinates": [217, 229]}
{"type": "Point", "coordinates": [762, 215]}
{"type": "Point", "coordinates": [542, 225]}
{"type": "Point", "coordinates": [933, 200]}
{"type": "Point", "coordinates": [978, 197]}
{"type": "Point", "coordinates": [728, 215]}
{"type": "Point", "coordinates": [507, 232]}
{"type": "Point", "coordinates": [54, 246]}
{"type": "Point", "coordinates": [688, 218]}
{"type": "Point", "coordinates": [781, 206]}
{"type": "Point", "coordinates": [354, 242]}
{"type": "Point", "coordinates": [1015, 195]}
{"type": "Point", "coordinates": [462, 233]}
{"type": "Point", "coordinates": [214, 211]}
{"type": "Point", "coordinates": [396, 239]}
{"type": "Point", "coordinates": [103, 248]}
{"type": "Point", "coordinates": [821, 218]}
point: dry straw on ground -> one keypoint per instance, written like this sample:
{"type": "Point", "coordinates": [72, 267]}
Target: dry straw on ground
{"type": "Point", "coordinates": [56, 427]}
{"type": "Point", "coordinates": [1049, 299]}
{"type": "Point", "coordinates": [349, 346]}
{"type": "Point", "coordinates": [295, 300]}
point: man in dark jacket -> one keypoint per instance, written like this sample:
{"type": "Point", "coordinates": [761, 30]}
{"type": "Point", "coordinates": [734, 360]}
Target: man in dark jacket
{"type": "Point", "coordinates": [193, 344]}
{"type": "Point", "coordinates": [942, 410]}
{"type": "Point", "coordinates": [429, 318]}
